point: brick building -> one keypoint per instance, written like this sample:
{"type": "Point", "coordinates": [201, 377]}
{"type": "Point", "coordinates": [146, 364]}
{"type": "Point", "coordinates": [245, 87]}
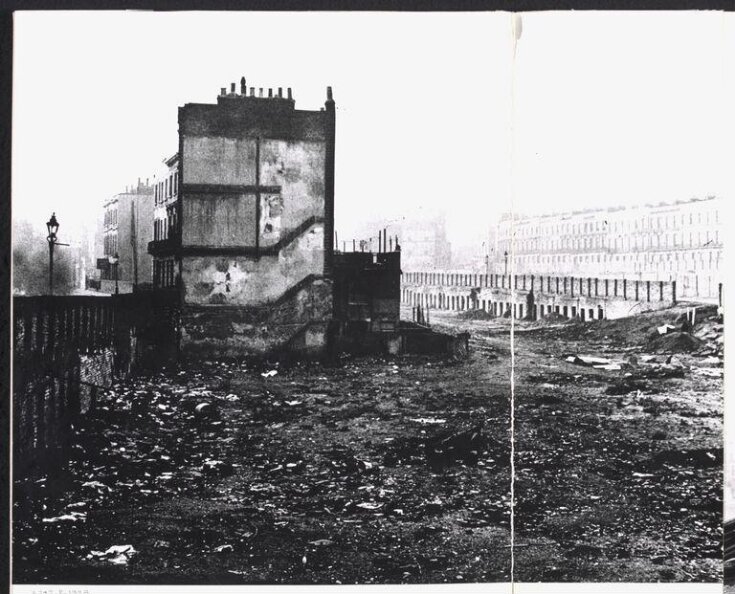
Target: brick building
{"type": "Point", "coordinates": [245, 219]}
{"type": "Point", "coordinates": [126, 231]}
{"type": "Point", "coordinates": [680, 241]}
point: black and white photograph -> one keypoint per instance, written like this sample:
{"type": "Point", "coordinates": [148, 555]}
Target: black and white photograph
{"type": "Point", "coordinates": [371, 298]}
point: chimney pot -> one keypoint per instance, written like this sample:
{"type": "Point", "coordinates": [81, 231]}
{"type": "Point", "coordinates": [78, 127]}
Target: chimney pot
{"type": "Point", "coordinates": [270, 93]}
{"type": "Point", "coordinates": [232, 88]}
{"type": "Point", "coordinates": [243, 88]}
{"type": "Point", "coordinates": [252, 91]}
{"type": "Point", "coordinates": [329, 94]}
{"type": "Point", "coordinates": [288, 90]}
{"type": "Point", "coordinates": [280, 91]}
{"type": "Point", "coordinates": [260, 91]}
{"type": "Point", "coordinates": [223, 91]}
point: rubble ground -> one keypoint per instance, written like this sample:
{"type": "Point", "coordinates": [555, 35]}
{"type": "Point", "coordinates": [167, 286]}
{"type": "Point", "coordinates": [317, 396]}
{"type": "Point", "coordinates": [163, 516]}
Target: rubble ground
{"type": "Point", "coordinates": [384, 470]}
{"type": "Point", "coordinates": [618, 471]}
{"type": "Point", "coordinates": [373, 471]}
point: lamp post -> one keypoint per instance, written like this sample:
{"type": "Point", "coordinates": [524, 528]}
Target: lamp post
{"type": "Point", "coordinates": [53, 227]}
{"type": "Point", "coordinates": [113, 260]}
{"type": "Point", "coordinates": [506, 263]}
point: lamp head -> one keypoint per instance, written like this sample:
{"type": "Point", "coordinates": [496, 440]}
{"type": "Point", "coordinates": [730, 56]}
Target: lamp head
{"type": "Point", "coordinates": [53, 226]}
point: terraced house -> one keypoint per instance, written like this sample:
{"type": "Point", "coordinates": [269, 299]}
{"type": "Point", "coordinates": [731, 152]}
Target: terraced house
{"type": "Point", "coordinates": [679, 241]}
{"type": "Point", "coordinates": [244, 223]}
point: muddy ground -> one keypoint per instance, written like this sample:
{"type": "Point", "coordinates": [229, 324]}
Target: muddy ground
{"type": "Point", "coordinates": [397, 470]}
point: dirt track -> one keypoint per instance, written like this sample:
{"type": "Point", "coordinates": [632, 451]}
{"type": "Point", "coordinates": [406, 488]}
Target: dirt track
{"type": "Point", "coordinates": [386, 471]}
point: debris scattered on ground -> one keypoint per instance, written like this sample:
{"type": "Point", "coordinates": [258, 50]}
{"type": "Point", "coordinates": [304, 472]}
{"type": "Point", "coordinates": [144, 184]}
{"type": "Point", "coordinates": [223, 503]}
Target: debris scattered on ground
{"type": "Point", "coordinates": [360, 478]}
{"type": "Point", "coordinates": [595, 362]}
{"type": "Point", "coordinates": [70, 517]}
{"type": "Point", "coordinates": [116, 554]}
{"type": "Point", "coordinates": [430, 421]}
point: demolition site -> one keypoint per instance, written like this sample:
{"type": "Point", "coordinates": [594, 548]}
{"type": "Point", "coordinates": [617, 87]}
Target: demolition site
{"type": "Point", "coordinates": [267, 408]}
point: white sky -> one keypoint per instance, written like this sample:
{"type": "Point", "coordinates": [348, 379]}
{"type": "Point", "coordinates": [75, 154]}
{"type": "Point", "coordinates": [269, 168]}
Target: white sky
{"type": "Point", "coordinates": [611, 108]}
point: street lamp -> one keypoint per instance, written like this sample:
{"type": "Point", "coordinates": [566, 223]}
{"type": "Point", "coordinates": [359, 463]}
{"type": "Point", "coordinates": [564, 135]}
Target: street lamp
{"type": "Point", "coordinates": [53, 227]}
{"type": "Point", "coordinates": [113, 260]}
{"type": "Point", "coordinates": [506, 263]}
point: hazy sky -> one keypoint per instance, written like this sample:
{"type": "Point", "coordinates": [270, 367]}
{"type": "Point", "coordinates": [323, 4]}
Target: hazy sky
{"type": "Point", "coordinates": [609, 108]}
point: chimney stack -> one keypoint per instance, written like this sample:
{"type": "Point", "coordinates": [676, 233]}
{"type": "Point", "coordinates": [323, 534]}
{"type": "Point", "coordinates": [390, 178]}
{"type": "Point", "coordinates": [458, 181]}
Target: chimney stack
{"type": "Point", "coordinates": [288, 90]}
{"type": "Point", "coordinates": [280, 92]}
{"type": "Point", "coordinates": [270, 93]}
{"type": "Point", "coordinates": [252, 91]}
{"type": "Point", "coordinates": [223, 91]}
{"type": "Point", "coordinates": [243, 88]}
{"type": "Point", "coordinates": [260, 91]}
{"type": "Point", "coordinates": [329, 94]}
{"type": "Point", "coordinates": [232, 88]}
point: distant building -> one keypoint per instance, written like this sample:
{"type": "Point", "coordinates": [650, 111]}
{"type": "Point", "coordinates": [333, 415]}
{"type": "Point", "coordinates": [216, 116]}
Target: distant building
{"type": "Point", "coordinates": [127, 229]}
{"type": "Point", "coordinates": [166, 231]}
{"type": "Point", "coordinates": [244, 223]}
{"type": "Point", "coordinates": [680, 241]}
{"type": "Point", "coordinates": [423, 241]}
{"type": "Point", "coordinates": [94, 249]}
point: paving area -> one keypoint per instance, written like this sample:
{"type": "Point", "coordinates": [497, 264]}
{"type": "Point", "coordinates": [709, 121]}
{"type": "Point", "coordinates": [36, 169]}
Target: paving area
{"type": "Point", "coordinates": [383, 470]}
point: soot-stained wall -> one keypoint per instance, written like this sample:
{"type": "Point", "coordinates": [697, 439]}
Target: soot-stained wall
{"type": "Point", "coordinates": [256, 207]}
{"type": "Point", "coordinates": [246, 280]}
